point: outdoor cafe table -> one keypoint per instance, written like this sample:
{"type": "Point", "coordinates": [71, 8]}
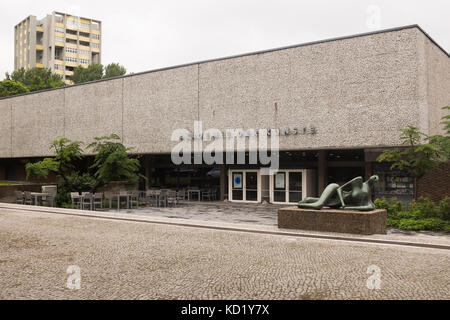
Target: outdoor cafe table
{"type": "Point", "coordinates": [194, 191]}
{"type": "Point", "coordinates": [38, 195]}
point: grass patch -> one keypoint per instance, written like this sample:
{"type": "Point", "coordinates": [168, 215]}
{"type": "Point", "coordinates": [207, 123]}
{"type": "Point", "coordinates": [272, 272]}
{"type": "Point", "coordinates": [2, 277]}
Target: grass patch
{"type": "Point", "coordinates": [8, 183]}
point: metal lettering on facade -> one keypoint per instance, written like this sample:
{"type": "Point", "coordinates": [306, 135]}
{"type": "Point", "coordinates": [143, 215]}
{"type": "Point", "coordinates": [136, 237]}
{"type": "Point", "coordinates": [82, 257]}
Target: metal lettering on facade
{"type": "Point", "coordinates": [251, 133]}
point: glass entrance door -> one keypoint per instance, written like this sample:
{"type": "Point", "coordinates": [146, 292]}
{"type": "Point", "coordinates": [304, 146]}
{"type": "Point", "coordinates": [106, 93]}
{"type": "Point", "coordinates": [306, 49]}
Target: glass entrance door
{"type": "Point", "coordinates": [287, 186]}
{"type": "Point", "coordinates": [237, 186]}
{"type": "Point", "coordinates": [280, 188]}
{"type": "Point", "coordinates": [295, 187]}
{"type": "Point", "coordinates": [244, 186]}
{"type": "Point", "coordinates": [251, 186]}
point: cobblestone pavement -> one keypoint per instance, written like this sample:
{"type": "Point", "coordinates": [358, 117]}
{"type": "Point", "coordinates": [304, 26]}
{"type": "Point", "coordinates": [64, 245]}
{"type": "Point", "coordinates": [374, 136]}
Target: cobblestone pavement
{"type": "Point", "coordinates": [240, 213]}
{"type": "Point", "coordinates": [261, 214]}
{"type": "Point", "coordinates": [131, 260]}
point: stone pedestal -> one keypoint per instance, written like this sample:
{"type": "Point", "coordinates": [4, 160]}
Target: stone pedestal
{"type": "Point", "coordinates": [330, 220]}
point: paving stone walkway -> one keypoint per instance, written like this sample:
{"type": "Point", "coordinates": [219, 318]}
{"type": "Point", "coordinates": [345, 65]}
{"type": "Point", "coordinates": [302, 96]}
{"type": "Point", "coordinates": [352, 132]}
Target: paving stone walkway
{"type": "Point", "coordinates": [133, 260]}
{"type": "Point", "coordinates": [239, 213]}
{"type": "Point", "coordinates": [259, 214]}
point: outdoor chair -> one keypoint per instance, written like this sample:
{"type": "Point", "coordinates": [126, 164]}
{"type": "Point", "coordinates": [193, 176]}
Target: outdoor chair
{"type": "Point", "coordinates": [153, 196]}
{"type": "Point", "coordinates": [28, 198]}
{"type": "Point", "coordinates": [19, 197]}
{"type": "Point", "coordinates": [125, 194]}
{"type": "Point", "coordinates": [214, 194]}
{"type": "Point", "coordinates": [76, 199]}
{"type": "Point", "coordinates": [181, 195]}
{"type": "Point", "coordinates": [134, 198]}
{"type": "Point", "coordinates": [87, 201]}
{"type": "Point", "coordinates": [206, 194]}
{"type": "Point", "coordinates": [110, 196]}
{"type": "Point", "coordinates": [142, 196]}
{"type": "Point", "coordinates": [172, 198]}
{"type": "Point", "coordinates": [162, 198]}
{"type": "Point", "coordinates": [98, 199]}
{"type": "Point", "coordinates": [148, 197]}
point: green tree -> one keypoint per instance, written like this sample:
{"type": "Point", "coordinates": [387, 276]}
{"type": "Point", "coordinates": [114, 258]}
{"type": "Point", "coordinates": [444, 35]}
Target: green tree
{"type": "Point", "coordinates": [92, 73]}
{"type": "Point", "coordinates": [112, 161]}
{"type": "Point", "coordinates": [11, 88]}
{"type": "Point", "coordinates": [114, 70]}
{"type": "Point", "coordinates": [63, 165]}
{"type": "Point", "coordinates": [36, 78]}
{"type": "Point", "coordinates": [420, 153]}
{"type": "Point", "coordinates": [443, 141]}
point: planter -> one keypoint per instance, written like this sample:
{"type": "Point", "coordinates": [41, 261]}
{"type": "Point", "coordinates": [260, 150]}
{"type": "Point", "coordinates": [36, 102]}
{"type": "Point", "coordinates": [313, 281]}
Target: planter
{"type": "Point", "coordinates": [116, 186]}
{"type": "Point", "coordinates": [7, 193]}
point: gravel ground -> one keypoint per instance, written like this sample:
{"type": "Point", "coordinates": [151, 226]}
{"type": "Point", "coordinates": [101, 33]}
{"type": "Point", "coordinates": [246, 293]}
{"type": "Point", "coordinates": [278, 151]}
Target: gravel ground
{"type": "Point", "coordinates": [131, 260]}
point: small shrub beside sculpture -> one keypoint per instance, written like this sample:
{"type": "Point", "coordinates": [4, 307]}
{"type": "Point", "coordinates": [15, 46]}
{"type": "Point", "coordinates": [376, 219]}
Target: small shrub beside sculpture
{"type": "Point", "coordinates": [422, 214]}
{"type": "Point", "coordinates": [111, 163]}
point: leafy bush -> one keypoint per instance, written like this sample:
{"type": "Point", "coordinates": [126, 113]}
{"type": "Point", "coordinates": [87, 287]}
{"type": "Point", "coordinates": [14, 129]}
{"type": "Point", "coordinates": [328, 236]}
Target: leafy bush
{"type": "Point", "coordinates": [81, 182]}
{"type": "Point", "coordinates": [383, 204]}
{"type": "Point", "coordinates": [35, 79]}
{"type": "Point", "coordinates": [431, 224]}
{"type": "Point", "coordinates": [112, 161]}
{"type": "Point", "coordinates": [424, 208]}
{"type": "Point", "coordinates": [11, 88]}
{"type": "Point", "coordinates": [66, 205]}
{"type": "Point", "coordinates": [392, 207]}
{"type": "Point", "coordinates": [63, 194]}
{"type": "Point", "coordinates": [76, 182]}
{"type": "Point", "coordinates": [422, 214]}
{"type": "Point", "coordinates": [444, 208]}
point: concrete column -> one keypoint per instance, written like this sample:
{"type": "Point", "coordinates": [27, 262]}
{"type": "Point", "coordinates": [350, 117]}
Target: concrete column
{"type": "Point", "coordinates": [322, 166]}
{"type": "Point", "coordinates": [223, 177]}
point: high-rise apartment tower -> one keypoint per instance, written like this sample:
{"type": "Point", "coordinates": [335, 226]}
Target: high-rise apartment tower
{"type": "Point", "coordinates": [59, 42]}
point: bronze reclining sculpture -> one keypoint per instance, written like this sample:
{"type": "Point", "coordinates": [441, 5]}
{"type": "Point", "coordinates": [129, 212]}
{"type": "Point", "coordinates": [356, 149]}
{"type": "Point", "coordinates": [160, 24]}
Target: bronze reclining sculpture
{"type": "Point", "coordinates": [334, 196]}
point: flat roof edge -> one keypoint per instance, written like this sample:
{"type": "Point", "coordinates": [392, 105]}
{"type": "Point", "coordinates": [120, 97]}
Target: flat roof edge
{"type": "Point", "coordinates": [243, 55]}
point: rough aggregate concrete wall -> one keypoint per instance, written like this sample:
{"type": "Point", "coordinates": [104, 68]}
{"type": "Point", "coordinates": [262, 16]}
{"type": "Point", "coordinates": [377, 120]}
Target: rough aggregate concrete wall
{"type": "Point", "coordinates": [93, 110]}
{"type": "Point", "coordinates": [438, 85]}
{"type": "Point", "coordinates": [358, 92]}
{"type": "Point", "coordinates": [5, 128]}
{"type": "Point", "coordinates": [157, 103]}
{"type": "Point", "coordinates": [37, 120]}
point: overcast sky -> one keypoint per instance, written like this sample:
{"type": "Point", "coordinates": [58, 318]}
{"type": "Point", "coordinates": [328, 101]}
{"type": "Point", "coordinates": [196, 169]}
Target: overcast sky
{"type": "Point", "coordinates": [145, 35]}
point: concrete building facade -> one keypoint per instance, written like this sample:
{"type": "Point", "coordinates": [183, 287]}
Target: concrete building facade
{"type": "Point", "coordinates": [356, 92]}
{"type": "Point", "coordinates": [59, 42]}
